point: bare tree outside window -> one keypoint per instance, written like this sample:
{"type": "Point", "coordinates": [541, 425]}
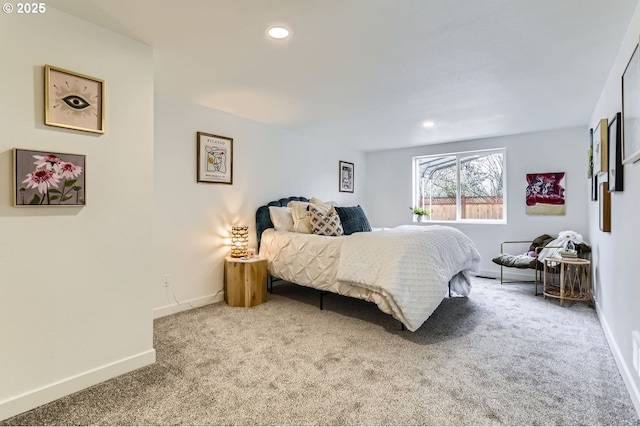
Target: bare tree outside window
{"type": "Point", "coordinates": [461, 186]}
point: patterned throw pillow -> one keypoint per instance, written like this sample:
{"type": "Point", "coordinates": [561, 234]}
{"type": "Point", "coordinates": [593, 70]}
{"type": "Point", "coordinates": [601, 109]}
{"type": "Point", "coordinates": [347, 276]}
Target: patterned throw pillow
{"type": "Point", "coordinates": [325, 220]}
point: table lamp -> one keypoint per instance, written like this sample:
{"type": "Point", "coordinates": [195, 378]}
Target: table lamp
{"type": "Point", "coordinates": [239, 241]}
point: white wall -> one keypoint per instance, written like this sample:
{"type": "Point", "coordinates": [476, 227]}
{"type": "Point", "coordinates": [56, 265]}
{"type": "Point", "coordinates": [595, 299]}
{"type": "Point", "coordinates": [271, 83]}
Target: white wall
{"type": "Point", "coordinates": [617, 286]}
{"type": "Point", "coordinates": [75, 299]}
{"type": "Point", "coordinates": [388, 192]}
{"type": "Point", "coordinates": [192, 220]}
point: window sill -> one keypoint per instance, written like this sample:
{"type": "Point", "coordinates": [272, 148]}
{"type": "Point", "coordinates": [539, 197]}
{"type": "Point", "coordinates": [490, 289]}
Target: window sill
{"type": "Point", "coordinates": [470, 221]}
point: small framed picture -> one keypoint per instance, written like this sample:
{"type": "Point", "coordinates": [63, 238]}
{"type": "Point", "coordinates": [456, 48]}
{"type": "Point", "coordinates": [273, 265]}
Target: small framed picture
{"type": "Point", "coordinates": [600, 147]}
{"type": "Point", "coordinates": [590, 153]}
{"type": "Point", "coordinates": [346, 177]}
{"type": "Point", "coordinates": [616, 175]}
{"type": "Point", "coordinates": [215, 158]}
{"type": "Point", "coordinates": [43, 178]}
{"type": "Point", "coordinates": [73, 100]}
{"type": "Point", "coordinates": [605, 207]}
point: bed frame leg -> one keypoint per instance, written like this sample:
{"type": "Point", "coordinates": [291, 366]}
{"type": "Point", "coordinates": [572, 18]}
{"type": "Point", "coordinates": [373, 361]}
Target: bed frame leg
{"type": "Point", "coordinates": [322, 294]}
{"type": "Point", "coordinates": [270, 283]}
{"type": "Point", "coordinates": [404, 328]}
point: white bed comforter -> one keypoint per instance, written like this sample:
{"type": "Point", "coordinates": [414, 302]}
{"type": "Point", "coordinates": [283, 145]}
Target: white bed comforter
{"type": "Point", "coordinates": [411, 266]}
{"type": "Point", "coordinates": [404, 270]}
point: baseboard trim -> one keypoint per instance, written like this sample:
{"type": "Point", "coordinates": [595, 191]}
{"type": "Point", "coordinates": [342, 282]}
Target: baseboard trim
{"type": "Point", "coordinates": [625, 372]}
{"type": "Point", "coordinates": [48, 393]}
{"type": "Point", "coordinates": [168, 310]}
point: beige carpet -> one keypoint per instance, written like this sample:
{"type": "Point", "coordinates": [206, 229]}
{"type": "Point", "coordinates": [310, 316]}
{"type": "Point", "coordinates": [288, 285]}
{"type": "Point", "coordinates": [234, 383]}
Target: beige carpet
{"type": "Point", "coordinates": [499, 357]}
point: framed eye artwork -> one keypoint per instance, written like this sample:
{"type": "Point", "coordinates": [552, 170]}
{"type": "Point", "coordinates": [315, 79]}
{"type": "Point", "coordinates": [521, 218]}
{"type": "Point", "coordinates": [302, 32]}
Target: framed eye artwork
{"type": "Point", "coordinates": [73, 100]}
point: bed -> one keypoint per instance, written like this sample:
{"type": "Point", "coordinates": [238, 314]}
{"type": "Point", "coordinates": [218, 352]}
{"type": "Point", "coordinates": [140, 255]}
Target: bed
{"type": "Point", "coordinates": [406, 271]}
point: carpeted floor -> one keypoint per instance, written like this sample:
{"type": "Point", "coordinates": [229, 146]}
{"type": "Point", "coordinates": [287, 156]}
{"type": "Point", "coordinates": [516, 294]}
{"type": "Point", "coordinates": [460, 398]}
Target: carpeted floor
{"type": "Point", "coordinates": [499, 357]}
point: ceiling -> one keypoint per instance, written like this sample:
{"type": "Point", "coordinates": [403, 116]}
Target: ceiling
{"type": "Point", "coordinates": [368, 73]}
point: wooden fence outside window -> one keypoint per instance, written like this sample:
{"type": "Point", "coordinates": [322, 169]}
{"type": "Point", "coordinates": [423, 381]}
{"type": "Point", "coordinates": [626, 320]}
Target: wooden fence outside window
{"type": "Point", "coordinates": [444, 208]}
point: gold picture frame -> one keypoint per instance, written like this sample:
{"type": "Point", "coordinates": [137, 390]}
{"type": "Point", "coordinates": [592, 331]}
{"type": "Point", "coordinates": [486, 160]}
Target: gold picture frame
{"type": "Point", "coordinates": [601, 147]}
{"type": "Point", "coordinates": [73, 100]}
{"type": "Point", "coordinates": [215, 158]}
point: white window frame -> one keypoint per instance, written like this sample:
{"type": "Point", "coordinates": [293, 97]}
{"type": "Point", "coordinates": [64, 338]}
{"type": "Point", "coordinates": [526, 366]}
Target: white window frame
{"type": "Point", "coordinates": [458, 155]}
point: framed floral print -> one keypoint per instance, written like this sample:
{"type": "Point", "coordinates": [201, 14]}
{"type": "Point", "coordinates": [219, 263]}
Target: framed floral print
{"type": "Point", "coordinates": [44, 178]}
{"type": "Point", "coordinates": [73, 100]}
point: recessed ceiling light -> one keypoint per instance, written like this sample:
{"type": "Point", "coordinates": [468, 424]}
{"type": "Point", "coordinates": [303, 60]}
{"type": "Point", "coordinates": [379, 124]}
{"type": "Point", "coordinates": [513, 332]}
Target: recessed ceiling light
{"type": "Point", "coordinates": [428, 124]}
{"type": "Point", "coordinates": [278, 33]}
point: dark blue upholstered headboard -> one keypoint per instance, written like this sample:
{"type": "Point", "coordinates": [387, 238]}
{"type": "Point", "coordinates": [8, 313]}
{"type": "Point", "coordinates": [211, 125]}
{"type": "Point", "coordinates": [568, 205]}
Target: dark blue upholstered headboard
{"type": "Point", "coordinates": [263, 219]}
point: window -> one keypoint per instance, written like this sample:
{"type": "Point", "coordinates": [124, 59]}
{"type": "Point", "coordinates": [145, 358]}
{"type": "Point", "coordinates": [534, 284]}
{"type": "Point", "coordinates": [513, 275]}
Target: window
{"type": "Point", "coordinates": [468, 186]}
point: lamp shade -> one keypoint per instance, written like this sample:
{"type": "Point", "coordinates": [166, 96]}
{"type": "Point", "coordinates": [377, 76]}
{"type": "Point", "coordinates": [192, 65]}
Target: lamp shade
{"type": "Point", "coordinates": [239, 241]}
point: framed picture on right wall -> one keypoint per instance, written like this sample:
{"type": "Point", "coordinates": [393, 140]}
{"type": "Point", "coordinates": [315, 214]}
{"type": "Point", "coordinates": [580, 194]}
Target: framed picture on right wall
{"type": "Point", "coordinates": [631, 110]}
{"type": "Point", "coordinates": [600, 146]}
{"type": "Point", "coordinates": [615, 154]}
{"type": "Point", "coordinates": [605, 207]}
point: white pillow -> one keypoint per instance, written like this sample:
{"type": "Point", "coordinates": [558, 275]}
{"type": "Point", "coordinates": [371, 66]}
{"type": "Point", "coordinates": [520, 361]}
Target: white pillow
{"type": "Point", "coordinates": [315, 200]}
{"type": "Point", "coordinates": [549, 251]}
{"type": "Point", "coordinates": [281, 218]}
{"type": "Point", "coordinates": [301, 217]}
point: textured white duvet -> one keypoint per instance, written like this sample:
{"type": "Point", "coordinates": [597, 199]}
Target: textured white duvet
{"type": "Point", "coordinates": [404, 270]}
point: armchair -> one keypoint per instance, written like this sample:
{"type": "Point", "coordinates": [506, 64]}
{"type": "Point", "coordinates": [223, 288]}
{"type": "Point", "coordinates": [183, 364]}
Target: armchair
{"type": "Point", "coordinates": [524, 261]}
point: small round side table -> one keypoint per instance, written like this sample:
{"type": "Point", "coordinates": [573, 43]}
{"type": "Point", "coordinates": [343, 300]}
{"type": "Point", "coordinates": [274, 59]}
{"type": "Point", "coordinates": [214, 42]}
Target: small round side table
{"type": "Point", "coordinates": [573, 283]}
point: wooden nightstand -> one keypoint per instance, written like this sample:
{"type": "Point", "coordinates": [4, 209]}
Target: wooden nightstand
{"type": "Point", "coordinates": [245, 281]}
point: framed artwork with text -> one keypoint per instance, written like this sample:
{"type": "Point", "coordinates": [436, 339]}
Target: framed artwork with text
{"type": "Point", "coordinates": [215, 158]}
